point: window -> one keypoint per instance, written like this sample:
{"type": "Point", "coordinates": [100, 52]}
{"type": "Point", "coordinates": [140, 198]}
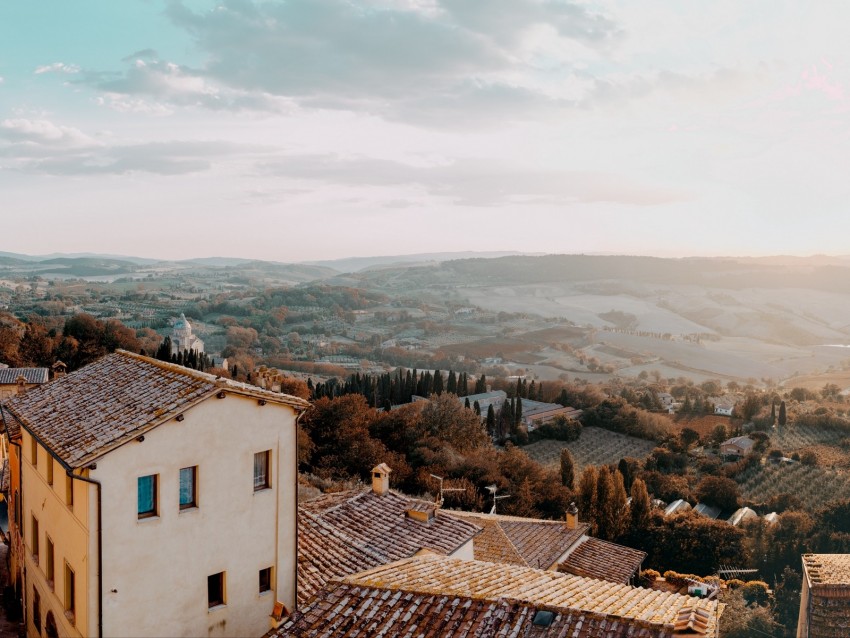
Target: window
{"type": "Point", "coordinates": [215, 590]}
{"type": "Point", "coordinates": [48, 568]}
{"type": "Point", "coordinates": [188, 487]}
{"type": "Point", "coordinates": [70, 593]}
{"type": "Point", "coordinates": [34, 540]}
{"type": "Point", "coordinates": [69, 491]}
{"type": "Point", "coordinates": [34, 451]}
{"type": "Point", "coordinates": [265, 579]}
{"type": "Point", "coordinates": [147, 496]}
{"type": "Point", "coordinates": [261, 470]}
{"type": "Point", "coordinates": [36, 610]}
{"type": "Point", "coordinates": [49, 470]}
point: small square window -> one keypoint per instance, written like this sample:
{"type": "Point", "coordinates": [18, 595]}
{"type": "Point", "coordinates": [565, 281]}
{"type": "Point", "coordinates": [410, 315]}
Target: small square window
{"type": "Point", "coordinates": [265, 579]}
{"type": "Point", "coordinates": [188, 487]}
{"type": "Point", "coordinates": [215, 590]}
{"type": "Point", "coordinates": [147, 496]}
{"type": "Point", "coordinates": [262, 480]}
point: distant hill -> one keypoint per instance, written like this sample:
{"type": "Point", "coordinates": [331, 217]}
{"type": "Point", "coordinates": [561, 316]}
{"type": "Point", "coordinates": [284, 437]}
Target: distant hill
{"type": "Point", "coordinates": [357, 264]}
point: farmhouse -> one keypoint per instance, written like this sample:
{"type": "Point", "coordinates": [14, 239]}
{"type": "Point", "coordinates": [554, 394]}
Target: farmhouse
{"type": "Point", "coordinates": [432, 595]}
{"type": "Point", "coordinates": [825, 598]}
{"type": "Point", "coordinates": [737, 446]}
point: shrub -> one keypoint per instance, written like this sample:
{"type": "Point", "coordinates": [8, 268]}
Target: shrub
{"type": "Point", "coordinates": [756, 591]}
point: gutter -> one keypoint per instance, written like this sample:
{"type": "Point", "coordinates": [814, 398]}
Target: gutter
{"type": "Point", "coordinates": [99, 486]}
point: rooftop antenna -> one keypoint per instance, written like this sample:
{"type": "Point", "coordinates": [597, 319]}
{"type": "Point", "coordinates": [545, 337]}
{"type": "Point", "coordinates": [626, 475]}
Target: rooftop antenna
{"type": "Point", "coordinates": [439, 502]}
{"type": "Point", "coordinates": [493, 489]}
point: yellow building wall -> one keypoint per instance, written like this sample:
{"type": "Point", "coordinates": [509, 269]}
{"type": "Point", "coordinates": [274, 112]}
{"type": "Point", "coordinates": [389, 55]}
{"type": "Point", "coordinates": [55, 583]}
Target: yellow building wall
{"type": "Point", "coordinates": [68, 527]}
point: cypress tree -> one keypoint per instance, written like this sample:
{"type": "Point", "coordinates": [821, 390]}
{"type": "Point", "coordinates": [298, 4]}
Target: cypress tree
{"type": "Point", "coordinates": [438, 382]}
{"type": "Point", "coordinates": [772, 413]}
{"type": "Point", "coordinates": [491, 419]}
{"type": "Point", "coordinates": [587, 495]}
{"type": "Point", "coordinates": [481, 385]}
{"type": "Point", "coordinates": [639, 510]}
{"type": "Point", "coordinates": [476, 407]}
{"type": "Point", "coordinates": [451, 384]}
{"type": "Point", "coordinates": [568, 472]}
{"type": "Point", "coordinates": [518, 411]}
{"type": "Point", "coordinates": [782, 415]}
{"type": "Point", "coordinates": [466, 403]}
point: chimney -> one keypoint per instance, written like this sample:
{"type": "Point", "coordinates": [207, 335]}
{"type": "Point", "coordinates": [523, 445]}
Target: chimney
{"type": "Point", "coordinates": [58, 369]}
{"type": "Point", "coordinates": [572, 516]}
{"type": "Point", "coordinates": [422, 512]}
{"type": "Point", "coordinates": [381, 479]}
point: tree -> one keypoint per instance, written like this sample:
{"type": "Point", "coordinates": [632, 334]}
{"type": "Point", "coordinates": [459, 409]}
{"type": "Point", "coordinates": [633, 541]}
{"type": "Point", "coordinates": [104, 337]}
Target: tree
{"type": "Point", "coordinates": [782, 416]}
{"type": "Point", "coordinates": [587, 495]}
{"type": "Point", "coordinates": [491, 420]}
{"type": "Point", "coordinates": [688, 437]}
{"type": "Point", "coordinates": [444, 418]}
{"type": "Point", "coordinates": [772, 413]}
{"type": "Point", "coordinates": [719, 491]}
{"type": "Point", "coordinates": [607, 514]}
{"type": "Point", "coordinates": [481, 385]}
{"type": "Point", "coordinates": [568, 477]}
{"type": "Point", "coordinates": [639, 510]}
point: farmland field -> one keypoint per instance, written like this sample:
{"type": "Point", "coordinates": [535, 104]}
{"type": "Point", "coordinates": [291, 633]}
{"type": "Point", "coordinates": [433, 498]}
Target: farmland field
{"type": "Point", "coordinates": [814, 486]}
{"type": "Point", "coordinates": [595, 447]}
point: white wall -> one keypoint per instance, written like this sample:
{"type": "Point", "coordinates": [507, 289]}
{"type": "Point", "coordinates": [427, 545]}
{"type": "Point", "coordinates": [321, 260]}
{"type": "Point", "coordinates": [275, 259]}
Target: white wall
{"type": "Point", "coordinates": [155, 569]}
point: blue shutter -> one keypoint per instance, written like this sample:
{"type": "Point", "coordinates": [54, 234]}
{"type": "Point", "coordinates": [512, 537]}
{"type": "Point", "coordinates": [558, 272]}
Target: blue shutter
{"type": "Point", "coordinates": [146, 494]}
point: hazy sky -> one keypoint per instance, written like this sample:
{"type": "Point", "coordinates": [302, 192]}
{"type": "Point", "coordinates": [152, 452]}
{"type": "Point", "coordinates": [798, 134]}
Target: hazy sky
{"type": "Point", "coordinates": [314, 129]}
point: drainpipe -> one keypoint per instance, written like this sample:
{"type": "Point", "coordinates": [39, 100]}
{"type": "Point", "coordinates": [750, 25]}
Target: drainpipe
{"type": "Point", "coordinates": [98, 485]}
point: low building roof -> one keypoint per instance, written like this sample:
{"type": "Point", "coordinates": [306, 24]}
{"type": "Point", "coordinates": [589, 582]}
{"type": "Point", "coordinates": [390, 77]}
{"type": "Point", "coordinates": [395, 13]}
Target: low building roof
{"type": "Point", "coordinates": [438, 596]}
{"type": "Point", "coordinates": [10, 376]}
{"type": "Point", "coordinates": [680, 505]}
{"type": "Point", "coordinates": [85, 414]}
{"type": "Point", "coordinates": [741, 515]}
{"type": "Point", "coordinates": [743, 442]}
{"type": "Point", "coordinates": [531, 542]}
{"type": "Point", "coordinates": [375, 528]}
{"type": "Point", "coordinates": [600, 559]}
{"type": "Point", "coordinates": [710, 511]}
{"type": "Point", "coordinates": [828, 573]}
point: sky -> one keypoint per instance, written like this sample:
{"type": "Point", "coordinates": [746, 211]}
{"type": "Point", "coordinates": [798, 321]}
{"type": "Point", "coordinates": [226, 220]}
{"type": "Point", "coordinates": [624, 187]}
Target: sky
{"type": "Point", "coordinates": [302, 130]}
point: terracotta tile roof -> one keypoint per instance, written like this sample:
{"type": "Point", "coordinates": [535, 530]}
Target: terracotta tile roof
{"type": "Point", "coordinates": [827, 570]}
{"type": "Point", "coordinates": [350, 610]}
{"type": "Point", "coordinates": [9, 376]}
{"type": "Point", "coordinates": [87, 413]}
{"type": "Point", "coordinates": [433, 595]}
{"type": "Point", "coordinates": [374, 527]}
{"type": "Point", "coordinates": [600, 559]}
{"type": "Point", "coordinates": [531, 542]}
{"type": "Point", "coordinates": [10, 423]}
{"type": "Point", "coordinates": [325, 553]}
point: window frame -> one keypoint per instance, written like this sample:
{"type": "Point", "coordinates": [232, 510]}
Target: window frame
{"type": "Point", "coordinates": [266, 480]}
{"type": "Point", "coordinates": [33, 451]}
{"type": "Point", "coordinates": [50, 562]}
{"type": "Point", "coordinates": [70, 601]}
{"type": "Point", "coordinates": [36, 609]}
{"type": "Point", "coordinates": [220, 579]}
{"type": "Point", "coordinates": [34, 539]}
{"type": "Point", "coordinates": [267, 582]}
{"type": "Point", "coordinates": [194, 502]}
{"type": "Point", "coordinates": [69, 491]}
{"type": "Point", "coordinates": [50, 469]}
{"type": "Point", "coordinates": [154, 511]}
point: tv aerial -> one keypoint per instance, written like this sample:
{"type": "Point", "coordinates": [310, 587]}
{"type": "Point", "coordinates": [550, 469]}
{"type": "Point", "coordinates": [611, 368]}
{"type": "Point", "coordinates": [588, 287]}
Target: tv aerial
{"type": "Point", "coordinates": [493, 489]}
{"type": "Point", "coordinates": [439, 502]}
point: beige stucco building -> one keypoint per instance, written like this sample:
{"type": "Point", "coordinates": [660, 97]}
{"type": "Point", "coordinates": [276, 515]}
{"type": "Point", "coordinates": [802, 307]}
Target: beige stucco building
{"type": "Point", "coordinates": [148, 499]}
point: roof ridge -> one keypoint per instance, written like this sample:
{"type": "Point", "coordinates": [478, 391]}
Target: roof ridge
{"type": "Point", "coordinates": [218, 381]}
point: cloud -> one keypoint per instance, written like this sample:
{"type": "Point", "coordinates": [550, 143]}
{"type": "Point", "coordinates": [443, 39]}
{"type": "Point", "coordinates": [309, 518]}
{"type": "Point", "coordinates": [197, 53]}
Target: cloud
{"type": "Point", "coordinates": [152, 86]}
{"type": "Point", "coordinates": [42, 133]}
{"type": "Point", "coordinates": [57, 67]}
{"type": "Point", "coordinates": [41, 146]}
{"type": "Point", "coordinates": [476, 182]}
